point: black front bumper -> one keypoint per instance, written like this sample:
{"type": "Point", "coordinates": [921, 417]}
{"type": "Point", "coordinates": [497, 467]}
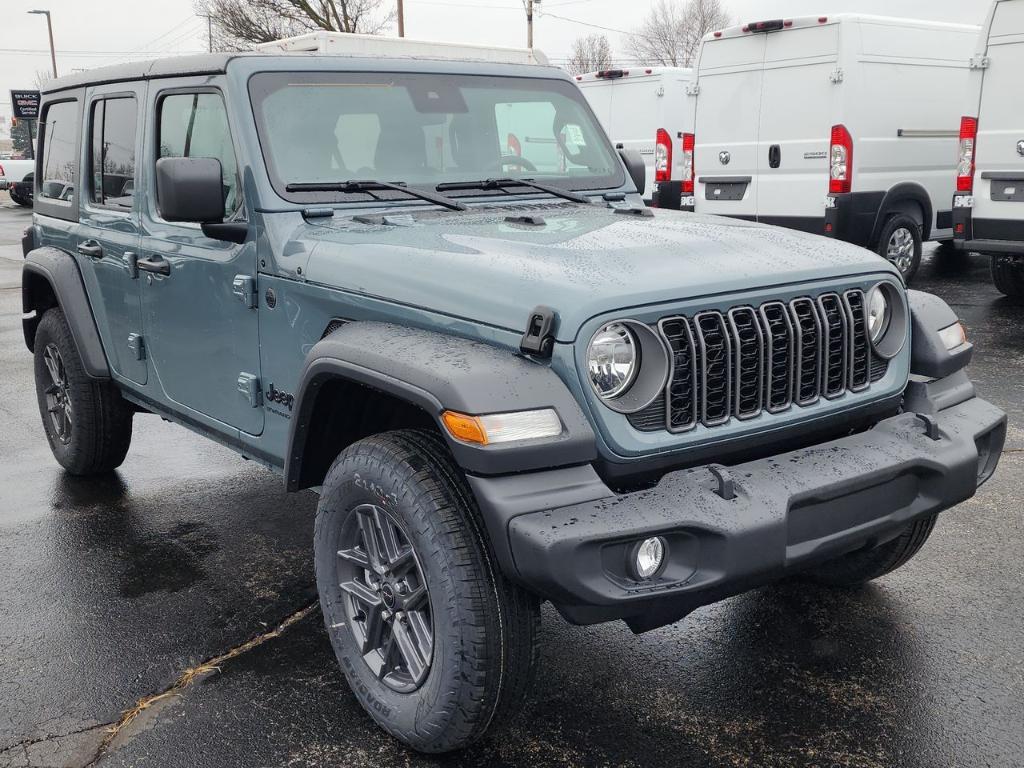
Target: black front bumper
{"type": "Point", "coordinates": [783, 513]}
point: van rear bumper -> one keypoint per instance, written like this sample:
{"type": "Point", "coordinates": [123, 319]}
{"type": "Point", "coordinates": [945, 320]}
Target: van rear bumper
{"type": "Point", "coordinates": [851, 217]}
{"type": "Point", "coordinates": [729, 530]}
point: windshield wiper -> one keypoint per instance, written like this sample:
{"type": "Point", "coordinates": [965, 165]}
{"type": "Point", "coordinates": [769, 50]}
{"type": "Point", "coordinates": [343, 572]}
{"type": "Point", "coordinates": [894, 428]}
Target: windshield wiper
{"type": "Point", "coordinates": [565, 194]}
{"type": "Point", "coordinates": [375, 186]}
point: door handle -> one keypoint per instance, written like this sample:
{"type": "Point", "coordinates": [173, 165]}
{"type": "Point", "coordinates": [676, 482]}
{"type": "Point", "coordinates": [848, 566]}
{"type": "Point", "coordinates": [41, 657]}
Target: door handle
{"type": "Point", "coordinates": [91, 248]}
{"type": "Point", "coordinates": [154, 264]}
{"type": "Point", "coordinates": [774, 156]}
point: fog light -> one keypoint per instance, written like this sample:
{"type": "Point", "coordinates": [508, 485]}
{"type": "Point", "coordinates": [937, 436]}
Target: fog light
{"type": "Point", "coordinates": [647, 558]}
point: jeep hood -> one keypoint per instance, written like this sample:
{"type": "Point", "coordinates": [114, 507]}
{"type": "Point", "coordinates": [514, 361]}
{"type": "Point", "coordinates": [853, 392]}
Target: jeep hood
{"type": "Point", "coordinates": [582, 260]}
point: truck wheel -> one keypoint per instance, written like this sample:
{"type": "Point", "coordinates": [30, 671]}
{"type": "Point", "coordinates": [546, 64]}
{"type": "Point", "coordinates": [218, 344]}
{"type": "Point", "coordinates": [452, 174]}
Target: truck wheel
{"type": "Point", "coordinates": [900, 243]}
{"type": "Point", "coordinates": [435, 642]}
{"type": "Point", "coordinates": [860, 567]}
{"type": "Point", "coordinates": [1008, 275]}
{"type": "Point", "coordinates": [15, 197]}
{"type": "Point", "coordinates": [87, 422]}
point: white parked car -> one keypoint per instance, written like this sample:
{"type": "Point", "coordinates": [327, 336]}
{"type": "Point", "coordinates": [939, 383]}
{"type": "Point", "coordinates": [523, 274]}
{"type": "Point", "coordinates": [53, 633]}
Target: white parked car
{"type": "Point", "coordinates": [16, 177]}
{"type": "Point", "coordinates": [988, 207]}
{"type": "Point", "coordinates": [838, 125]}
{"type": "Point", "coordinates": [646, 109]}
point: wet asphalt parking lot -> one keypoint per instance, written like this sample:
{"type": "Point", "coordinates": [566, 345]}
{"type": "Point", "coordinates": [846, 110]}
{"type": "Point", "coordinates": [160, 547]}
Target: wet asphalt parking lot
{"type": "Point", "coordinates": [189, 558]}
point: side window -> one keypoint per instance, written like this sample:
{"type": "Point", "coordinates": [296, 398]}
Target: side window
{"type": "Point", "coordinates": [60, 163]}
{"type": "Point", "coordinates": [196, 125]}
{"type": "Point", "coordinates": [112, 152]}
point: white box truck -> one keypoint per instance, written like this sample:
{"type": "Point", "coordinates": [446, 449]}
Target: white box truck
{"type": "Point", "coordinates": [646, 109]}
{"type": "Point", "coordinates": [988, 207]}
{"type": "Point", "coordinates": [843, 125]}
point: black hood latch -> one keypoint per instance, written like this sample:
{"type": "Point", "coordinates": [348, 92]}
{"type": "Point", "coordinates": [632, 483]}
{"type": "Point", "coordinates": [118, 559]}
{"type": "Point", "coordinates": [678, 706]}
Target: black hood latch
{"type": "Point", "coordinates": [539, 339]}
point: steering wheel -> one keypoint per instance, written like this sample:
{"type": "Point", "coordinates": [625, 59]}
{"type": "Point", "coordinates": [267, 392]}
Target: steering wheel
{"type": "Point", "coordinates": [505, 160]}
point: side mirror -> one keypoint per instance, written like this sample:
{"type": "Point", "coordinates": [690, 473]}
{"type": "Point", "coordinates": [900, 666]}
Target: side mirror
{"type": "Point", "coordinates": [635, 168]}
{"type": "Point", "coordinates": [189, 189]}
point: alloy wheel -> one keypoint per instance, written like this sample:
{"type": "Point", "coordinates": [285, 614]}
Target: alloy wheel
{"type": "Point", "coordinates": [900, 249]}
{"type": "Point", "coordinates": [58, 395]}
{"type": "Point", "coordinates": [385, 598]}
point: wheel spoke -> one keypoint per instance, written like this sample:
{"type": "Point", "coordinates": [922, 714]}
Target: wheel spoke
{"type": "Point", "coordinates": [370, 543]}
{"type": "Point", "coordinates": [389, 547]}
{"type": "Point", "coordinates": [417, 599]}
{"type": "Point", "coordinates": [386, 652]}
{"type": "Point", "coordinates": [403, 562]}
{"type": "Point", "coordinates": [362, 593]}
{"type": "Point", "coordinates": [410, 652]}
{"type": "Point", "coordinates": [374, 631]}
{"type": "Point", "coordinates": [355, 556]}
{"type": "Point", "coordinates": [51, 366]}
{"type": "Point", "coordinates": [421, 631]}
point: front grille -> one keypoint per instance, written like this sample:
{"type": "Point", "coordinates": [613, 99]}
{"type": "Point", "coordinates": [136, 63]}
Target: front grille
{"type": "Point", "coordinates": [751, 360]}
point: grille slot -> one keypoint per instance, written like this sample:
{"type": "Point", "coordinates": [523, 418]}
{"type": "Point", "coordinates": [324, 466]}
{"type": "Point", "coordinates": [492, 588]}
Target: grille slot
{"type": "Point", "coordinates": [748, 361]}
{"type": "Point", "coordinates": [715, 367]}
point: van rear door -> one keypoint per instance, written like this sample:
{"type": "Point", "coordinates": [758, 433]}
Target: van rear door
{"type": "Point", "coordinates": [999, 178]}
{"type": "Point", "coordinates": [798, 105]}
{"type": "Point", "coordinates": [728, 110]}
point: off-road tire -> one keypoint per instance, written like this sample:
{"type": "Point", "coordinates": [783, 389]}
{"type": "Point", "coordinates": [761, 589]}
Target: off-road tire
{"type": "Point", "coordinates": [892, 224]}
{"type": "Point", "coordinates": [859, 567]}
{"type": "Point", "coordinates": [484, 627]}
{"type": "Point", "coordinates": [101, 430]}
{"type": "Point", "coordinates": [1008, 275]}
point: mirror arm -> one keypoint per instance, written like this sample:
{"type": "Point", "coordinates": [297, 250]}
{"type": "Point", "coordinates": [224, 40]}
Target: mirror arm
{"type": "Point", "coordinates": [229, 231]}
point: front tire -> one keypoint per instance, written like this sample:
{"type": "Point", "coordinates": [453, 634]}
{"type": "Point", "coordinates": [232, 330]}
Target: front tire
{"type": "Point", "coordinates": [19, 200]}
{"type": "Point", "coordinates": [434, 641]}
{"type": "Point", "coordinates": [858, 568]}
{"type": "Point", "coordinates": [87, 422]}
{"type": "Point", "coordinates": [1008, 276]}
{"type": "Point", "coordinates": [900, 244]}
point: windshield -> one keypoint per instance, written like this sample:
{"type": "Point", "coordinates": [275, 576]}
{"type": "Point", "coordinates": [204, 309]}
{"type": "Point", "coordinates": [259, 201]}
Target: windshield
{"type": "Point", "coordinates": [425, 130]}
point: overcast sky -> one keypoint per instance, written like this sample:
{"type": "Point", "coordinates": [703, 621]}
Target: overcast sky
{"type": "Point", "coordinates": [92, 33]}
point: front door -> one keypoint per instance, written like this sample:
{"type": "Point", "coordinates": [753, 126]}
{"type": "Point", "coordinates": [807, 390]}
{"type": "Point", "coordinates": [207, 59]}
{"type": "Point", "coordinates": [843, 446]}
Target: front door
{"type": "Point", "coordinates": [198, 294]}
{"type": "Point", "coordinates": [108, 234]}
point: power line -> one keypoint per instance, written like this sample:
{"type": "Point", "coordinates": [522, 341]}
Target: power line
{"type": "Point", "coordinates": [588, 24]}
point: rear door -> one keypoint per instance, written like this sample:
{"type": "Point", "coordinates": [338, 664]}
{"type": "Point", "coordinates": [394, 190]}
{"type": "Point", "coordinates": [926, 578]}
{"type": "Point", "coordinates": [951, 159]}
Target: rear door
{"type": "Point", "coordinates": [798, 102]}
{"type": "Point", "coordinates": [108, 234]}
{"type": "Point", "coordinates": [999, 179]}
{"type": "Point", "coordinates": [726, 123]}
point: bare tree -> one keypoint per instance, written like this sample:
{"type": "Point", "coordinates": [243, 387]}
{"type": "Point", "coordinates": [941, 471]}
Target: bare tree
{"type": "Point", "coordinates": [240, 24]}
{"type": "Point", "coordinates": [670, 35]}
{"type": "Point", "coordinates": [590, 54]}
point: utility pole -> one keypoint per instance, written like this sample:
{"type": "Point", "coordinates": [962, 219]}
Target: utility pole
{"type": "Point", "coordinates": [209, 31]}
{"type": "Point", "coordinates": [401, 18]}
{"type": "Point", "coordinates": [49, 28]}
{"type": "Point", "coordinates": [529, 21]}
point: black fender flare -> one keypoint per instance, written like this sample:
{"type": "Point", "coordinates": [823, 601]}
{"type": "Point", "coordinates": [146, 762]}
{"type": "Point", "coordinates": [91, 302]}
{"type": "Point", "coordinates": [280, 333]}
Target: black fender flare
{"type": "Point", "coordinates": [51, 277]}
{"type": "Point", "coordinates": [893, 201]}
{"type": "Point", "coordinates": [929, 314]}
{"type": "Point", "coordinates": [437, 372]}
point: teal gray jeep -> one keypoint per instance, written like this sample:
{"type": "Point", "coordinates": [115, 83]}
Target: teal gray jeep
{"type": "Point", "coordinates": [429, 291]}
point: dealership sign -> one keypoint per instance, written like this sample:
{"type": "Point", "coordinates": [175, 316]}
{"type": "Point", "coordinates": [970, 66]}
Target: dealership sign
{"type": "Point", "coordinates": [25, 104]}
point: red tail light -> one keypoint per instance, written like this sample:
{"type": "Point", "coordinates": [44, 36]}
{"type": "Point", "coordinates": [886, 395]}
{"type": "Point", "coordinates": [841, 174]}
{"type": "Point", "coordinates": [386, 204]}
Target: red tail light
{"type": "Point", "coordinates": [968, 143]}
{"type": "Point", "coordinates": [514, 147]}
{"type": "Point", "coordinates": [663, 156]}
{"type": "Point", "coordinates": [2, 171]}
{"type": "Point", "coordinates": [689, 140]}
{"type": "Point", "coordinates": [840, 161]}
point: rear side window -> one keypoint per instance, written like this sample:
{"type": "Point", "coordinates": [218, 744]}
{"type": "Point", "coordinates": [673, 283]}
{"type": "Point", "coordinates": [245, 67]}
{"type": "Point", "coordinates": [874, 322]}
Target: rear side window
{"type": "Point", "coordinates": [112, 152]}
{"type": "Point", "coordinates": [60, 152]}
{"type": "Point", "coordinates": [196, 125]}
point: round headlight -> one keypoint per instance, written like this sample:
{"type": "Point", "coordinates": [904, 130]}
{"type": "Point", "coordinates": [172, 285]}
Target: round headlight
{"type": "Point", "coordinates": [612, 360]}
{"type": "Point", "coordinates": [879, 314]}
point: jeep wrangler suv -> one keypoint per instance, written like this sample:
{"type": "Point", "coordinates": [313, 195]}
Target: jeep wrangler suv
{"type": "Point", "coordinates": [508, 380]}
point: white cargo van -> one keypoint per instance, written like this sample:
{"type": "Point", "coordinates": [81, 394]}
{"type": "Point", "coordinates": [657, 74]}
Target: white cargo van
{"type": "Point", "coordinates": [839, 125]}
{"type": "Point", "coordinates": [646, 109]}
{"type": "Point", "coordinates": [988, 208]}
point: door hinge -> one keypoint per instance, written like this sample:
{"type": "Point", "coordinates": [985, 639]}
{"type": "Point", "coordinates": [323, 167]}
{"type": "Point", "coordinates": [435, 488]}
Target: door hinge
{"type": "Point", "coordinates": [693, 89]}
{"type": "Point", "coordinates": [980, 62]}
{"type": "Point", "coordinates": [837, 76]}
{"type": "Point", "coordinates": [249, 386]}
{"type": "Point", "coordinates": [539, 339]}
{"type": "Point", "coordinates": [244, 287]}
{"type": "Point", "coordinates": [137, 346]}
